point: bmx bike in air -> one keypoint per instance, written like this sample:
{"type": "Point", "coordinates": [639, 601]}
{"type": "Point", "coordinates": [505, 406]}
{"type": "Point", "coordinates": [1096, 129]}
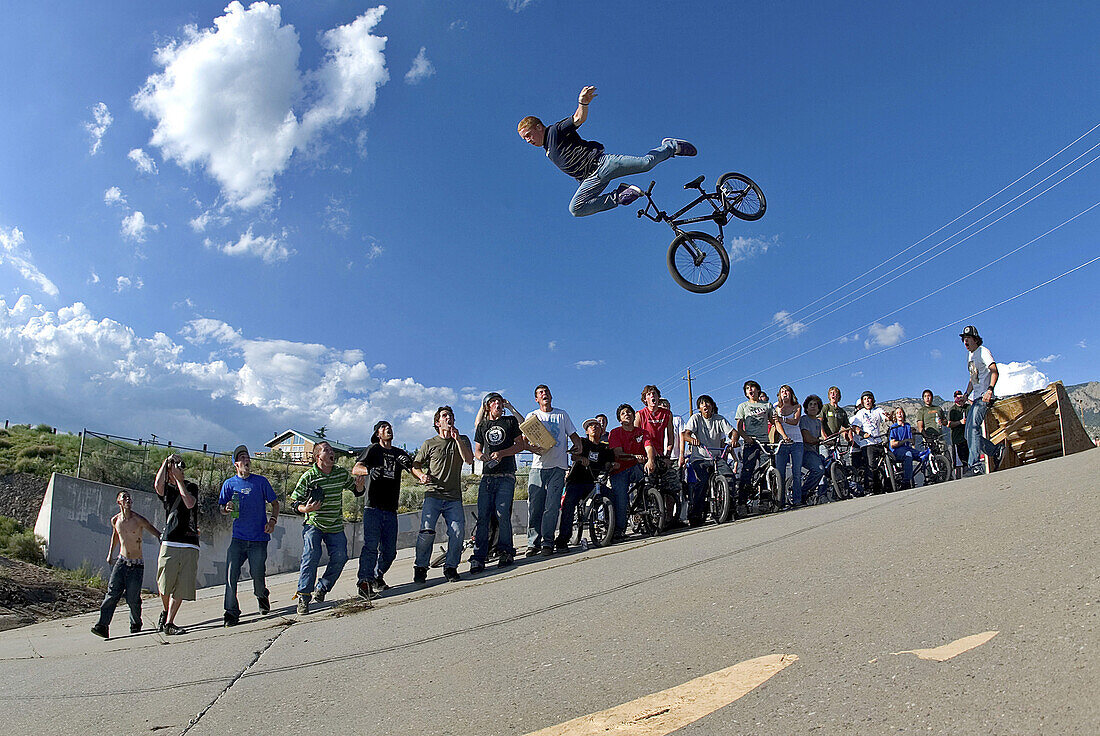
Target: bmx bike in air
{"type": "Point", "coordinates": [698, 261]}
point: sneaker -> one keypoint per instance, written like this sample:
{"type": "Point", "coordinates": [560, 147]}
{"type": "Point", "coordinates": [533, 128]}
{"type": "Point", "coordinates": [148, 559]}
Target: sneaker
{"type": "Point", "coordinates": [561, 547]}
{"type": "Point", "coordinates": [451, 574]}
{"type": "Point", "coordinates": [379, 585]}
{"type": "Point", "coordinates": [1000, 456]}
{"type": "Point", "coordinates": [303, 603]}
{"type": "Point", "coordinates": [531, 552]}
{"type": "Point", "coordinates": [101, 631]}
{"type": "Point", "coordinates": [974, 470]}
{"type": "Point", "coordinates": [476, 566]}
{"type": "Point", "coordinates": [230, 620]}
{"type": "Point", "coordinates": [627, 193]}
{"type": "Point", "coordinates": [420, 574]}
{"type": "Point", "coordinates": [365, 590]}
{"type": "Point", "coordinates": [679, 147]}
{"type": "Point", "coordinates": [547, 551]}
{"type": "Point", "coordinates": [319, 594]}
{"type": "Point", "coordinates": [171, 629]}
{"type": "Point", "coordinates": [162, 620]}
{"type": "Point", "coordinates": [265, 603]}
{"type": "Point", "coordinates": [505, 560]}
{"type": "Point", "coordinates": [135, 628]}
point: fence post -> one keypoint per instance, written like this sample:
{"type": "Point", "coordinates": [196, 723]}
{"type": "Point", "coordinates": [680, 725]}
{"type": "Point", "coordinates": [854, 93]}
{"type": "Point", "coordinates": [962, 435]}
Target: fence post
{"type": "Point", "coordinates": [80, 456]}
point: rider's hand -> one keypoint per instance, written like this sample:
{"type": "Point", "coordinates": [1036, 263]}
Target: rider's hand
{"type": "Point", "coordinates": [692, 440]}
{"type": "Point", "coordinates": [650, 466]}
{"type": "Point", "coordinates": [586, 95]}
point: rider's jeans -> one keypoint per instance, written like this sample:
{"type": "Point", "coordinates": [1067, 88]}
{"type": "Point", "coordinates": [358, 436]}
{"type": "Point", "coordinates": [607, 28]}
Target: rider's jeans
{"type": "Point", "coordinates": [620, 494]}
{"type": "Point", "coordinates": [697, 489]}
{"type": "Point", "coordinates": [494, 496]}
{"type": "Point", "coordinates": [455, 518]}
{"type": "Point", "coordinates": [750, 456]}
{"type": "Point", "coordinates": [791, 452]}
{"type": "Point", "coordinates": [975, 441]}
{"type": "Point", "coordinates": [240, 550]}
{"type": "Point", "coordinates": [907, 455]}
{"type": "Point", "coordinates": [588, 200]}
{"type": "Point", "coordinates": [574, 492]}
{"type": "Point", "coordinates": [815, 464]}
{"type": "Point", "coordinates": [337, 545]}
{"type": "Point", "coordinates": [379, 543]}
{"type": "Point", "coordinates": [544, 490]}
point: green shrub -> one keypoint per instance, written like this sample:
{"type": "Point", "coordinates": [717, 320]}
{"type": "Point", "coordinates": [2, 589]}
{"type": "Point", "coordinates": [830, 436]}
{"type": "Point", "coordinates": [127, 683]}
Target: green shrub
{"type": "Point", "coordinates": [4, 444]}
{"type": "Point", "coordinates": [8, 527]}
{"type": "Point", "coordinates": [4, 432]}
{"type": "Point", "coordinates": [25, 546]}
{"type": "Point", "coordinates": [43, 451]}
{"type": "Point", "coordinates": [31, 466]}
{"type": "Point", "coordinates": [43, 428]}
{"type": "Point", "coordinates": [83, 575]}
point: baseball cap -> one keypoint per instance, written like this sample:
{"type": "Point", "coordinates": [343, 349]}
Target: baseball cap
{"type": "Point", "coordinates": [490, 396]}
{"type": "Point", "coordinates": [241, 449]}
{"type": "Point", "coordinates": [378, 425]}
{"type": "Point", "coordinates": [593, 420]}
{"type": "Point", "coordinates": [970, 331]}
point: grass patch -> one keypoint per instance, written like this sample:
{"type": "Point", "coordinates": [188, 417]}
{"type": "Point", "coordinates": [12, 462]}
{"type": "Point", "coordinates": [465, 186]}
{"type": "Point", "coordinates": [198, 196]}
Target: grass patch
{"type": "Point", "coordinates": [20, 543]}
{"type": "Point", "coordinates": [83, 575]}
{"type": "Point", "coordinates": [43, 451]}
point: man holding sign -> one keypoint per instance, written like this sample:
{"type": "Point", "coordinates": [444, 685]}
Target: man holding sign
{"type": "Point", "coordinates": [546, 483]}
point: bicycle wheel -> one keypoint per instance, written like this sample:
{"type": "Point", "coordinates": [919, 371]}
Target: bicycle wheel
{"type": "Point", "coordinates": [579, 522]}
{"type": "Point", "coordinates": [838, 477]}
{"type": "Point", "coordinates": [889, 475]}
{"type": "Point", "coordinates": [601, 522]}
{"type": "Point", "coordinates": [774, 484]}
{"type": "Point", "coordinates": [741, 196]}
{"type": "Point", "coordinates": [720, 497]}
{"type": "Point", "coordinates": [698, 262]}
{"type": "Point", "coordinates": [941, 467]}
{"type": "Point", "coordinates": [655, 521]}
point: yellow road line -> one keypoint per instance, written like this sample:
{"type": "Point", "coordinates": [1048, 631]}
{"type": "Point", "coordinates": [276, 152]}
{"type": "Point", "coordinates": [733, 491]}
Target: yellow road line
{"type": "Point", "coordinates": [668, 710]}
{"type": "Point", "coordinates": [954, 649]}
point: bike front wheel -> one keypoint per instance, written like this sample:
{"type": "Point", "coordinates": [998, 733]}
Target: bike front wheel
{"type": "Point", "coordinates": [698, 262]}
{"type": "Point", "coordinates": [601, 522]}
{"type": "Point", "coordinates": [741, 196]}
{"type": "Point", "coordinates": [721, 499]}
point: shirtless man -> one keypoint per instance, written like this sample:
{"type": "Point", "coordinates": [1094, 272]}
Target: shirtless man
{"type": "Point", "coordinates": [128, 571]}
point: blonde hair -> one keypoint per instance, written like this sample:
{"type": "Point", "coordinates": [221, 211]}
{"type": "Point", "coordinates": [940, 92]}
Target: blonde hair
{"type": "Point", "coordinates": [529, 122]}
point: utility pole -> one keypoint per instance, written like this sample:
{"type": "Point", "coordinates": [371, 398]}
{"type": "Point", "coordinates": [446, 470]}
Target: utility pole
{"type": "Point", "coordinates": [691, 398]}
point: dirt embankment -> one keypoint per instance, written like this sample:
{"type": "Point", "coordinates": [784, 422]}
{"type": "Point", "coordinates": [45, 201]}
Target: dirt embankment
{"type": "Point", "coordinates": [21, 497]}
{"type": "Point", "coordinates": [29, 594]}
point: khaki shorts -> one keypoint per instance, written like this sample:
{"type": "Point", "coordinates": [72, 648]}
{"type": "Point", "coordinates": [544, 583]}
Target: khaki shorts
{"type": "Point", "coordinates": [177, 569]}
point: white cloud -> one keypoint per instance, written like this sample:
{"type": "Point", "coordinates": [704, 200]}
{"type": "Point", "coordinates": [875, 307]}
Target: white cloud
{"type": "Point", "coordinates": [97, 128]}
{"type": "Point", "coordinates": [114, 196]}
{"type": "Point", "coordinates": [458, 25]}
{"type": "Point", "coordinates": [1050, 358]}
{"type": "Point", "coordinates": [13, 253]}
{"type": "Point", "coordinates": [421, 68]}
{"type": "Point", "coordinates": [517, 5]}
{"type": "Point", "coordinates": [552, 345]}
{"type": "Point", "coordinates": [1083, 344]}
{"type": "Point", "coordinates": [270, 248]}
{"type": "Point", "coordinates": [134, 226]}
{"type": "Point", "coordinates": [884, 335]}
{"type": "Point", "coordinates": [124, 282]}
{"type": "Point", "coordinates": [143, 161]}
{"type": "Point", "coordinates": [378, 368]}
{"type": "Point", "coordinates": [1016, 378]}
{"type": "Point", "coordinates": [337, 216]}
{"type": "Point", "coordinates": [857, 374]}
{"type": "Point", "coordinates": [742, 249]}
{"type": "Point", "coordinates": [588, 363]}
{"type": "Point", "coordinates": [792, 326]}
{"type": "Point", "coordinates": [361, 144]}
{"type": "Point", "coordinates": [936, 353]}
{"type": "Point", "coordinates": [232, 100]}
{"type": "Point", "coordinates": [205, 219]}
{"type": "Point", "coordinates": [80, 370]}
{"type": "Point", "coordinates": [94, 278]}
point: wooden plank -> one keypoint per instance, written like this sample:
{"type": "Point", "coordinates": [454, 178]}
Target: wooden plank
{"type": "Point", "coordinates": [1076, 438]}
{"type": "Point", "coordinates": [1049, 400]}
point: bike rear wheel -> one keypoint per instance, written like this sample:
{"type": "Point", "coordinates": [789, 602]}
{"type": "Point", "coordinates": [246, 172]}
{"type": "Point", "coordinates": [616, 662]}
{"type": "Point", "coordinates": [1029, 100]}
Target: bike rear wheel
{"type": "Point", "coordinates": [774, 484]}
{"type": "Point", "coordinates": [654, 519]}
{"type": "Point", "coordinates": [698, 262]}
{"type": "Point", "coordinates": [601, 522]}
{"type": "Point", "coordinates": [838, 477]}
{"type": "Point", "coordinates": [721, 499]}
{"type": "Point", "coordinates": [741, 196]}
{"type": "Point", "coordinates": [940, 466]}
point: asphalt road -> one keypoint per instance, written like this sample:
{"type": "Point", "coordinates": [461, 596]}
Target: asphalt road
{"type": "Point", "coordinates": [843, 587]}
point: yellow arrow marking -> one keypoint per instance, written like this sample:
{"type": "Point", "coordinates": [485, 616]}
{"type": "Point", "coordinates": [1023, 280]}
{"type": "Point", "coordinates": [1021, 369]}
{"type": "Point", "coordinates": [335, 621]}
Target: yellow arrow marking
{"type": "Point", "coordinates": [668, 710]}
{"type": "Point", "coordinates": [954, 649]}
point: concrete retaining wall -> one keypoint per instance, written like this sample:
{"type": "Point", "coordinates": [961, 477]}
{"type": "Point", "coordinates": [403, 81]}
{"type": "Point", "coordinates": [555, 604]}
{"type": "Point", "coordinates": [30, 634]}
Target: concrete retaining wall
{"type": "Point", "coordinates": [75, 520]}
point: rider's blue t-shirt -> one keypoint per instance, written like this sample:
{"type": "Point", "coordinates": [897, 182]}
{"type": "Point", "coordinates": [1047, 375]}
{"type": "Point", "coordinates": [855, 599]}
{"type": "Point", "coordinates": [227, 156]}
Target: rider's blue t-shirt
{"type": "Point", "coordinates": [255, 493]}
{"type": "Point", "coordinates": [901, 433]}
{"type": "Point", "coordinates": [569, 152]}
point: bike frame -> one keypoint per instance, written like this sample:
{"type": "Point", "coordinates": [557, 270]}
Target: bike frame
{"type": "Point", "coordinates": [719, 216]}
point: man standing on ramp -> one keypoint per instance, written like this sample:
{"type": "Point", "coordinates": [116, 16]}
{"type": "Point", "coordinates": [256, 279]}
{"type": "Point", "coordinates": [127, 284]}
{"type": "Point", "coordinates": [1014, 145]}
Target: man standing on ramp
{"type": "Point", "coordinates": [586, 161]}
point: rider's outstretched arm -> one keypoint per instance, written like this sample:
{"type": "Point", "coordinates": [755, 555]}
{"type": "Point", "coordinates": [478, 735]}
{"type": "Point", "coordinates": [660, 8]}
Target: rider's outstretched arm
{"type": "Point", "coordinates": [583, 99]}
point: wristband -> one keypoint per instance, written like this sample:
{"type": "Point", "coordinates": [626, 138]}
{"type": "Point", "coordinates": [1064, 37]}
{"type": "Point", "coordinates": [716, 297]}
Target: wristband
{"type": "Point", "coordinates": [583, 104]}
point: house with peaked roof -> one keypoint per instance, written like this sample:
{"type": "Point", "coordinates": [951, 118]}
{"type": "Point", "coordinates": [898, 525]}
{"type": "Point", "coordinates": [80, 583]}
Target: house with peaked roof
{"type": "Point", "coordinates": [298, 445]}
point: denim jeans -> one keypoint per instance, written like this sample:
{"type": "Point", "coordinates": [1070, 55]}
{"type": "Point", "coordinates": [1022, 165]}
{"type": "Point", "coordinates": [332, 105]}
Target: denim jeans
{"type": "Point", "coordinates": [588, 200]}
{"type": "Point", "coordinates": [975, 441]}
{"type": "Point", "coordinates": [256, 554]}
{"type": "Point", "coordinates": [379, 543]}
{"type": "Point", "coordinates": [494, 496]}
{"type": "Point", "coordinates": [574, 492]}
{"type": "Point", "coordinates": [337, 545]}
{"type": "Point", "coordinates": [815, 464]}
{"type": "Point", "coordinates": [791, 452]}
{"type": "Point", "coordinates": [125, 580]}
{"type": "Point", "coordinates": [907, 455]}
{"type": "Point", "coordinates": [620, 494]}
{"type": "Point", "coordinates": [455, 518]}
{"type": "Point", "coordinates": [545, 487]}
{"type": "Point", "coordinates": [698, 475]}
{"type": "Point", "coordinates": [750, 456]}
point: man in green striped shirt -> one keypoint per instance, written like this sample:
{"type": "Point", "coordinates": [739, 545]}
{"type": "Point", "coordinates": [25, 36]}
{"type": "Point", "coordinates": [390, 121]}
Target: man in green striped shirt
{"type": "Point", "coordinates": [324, 522]}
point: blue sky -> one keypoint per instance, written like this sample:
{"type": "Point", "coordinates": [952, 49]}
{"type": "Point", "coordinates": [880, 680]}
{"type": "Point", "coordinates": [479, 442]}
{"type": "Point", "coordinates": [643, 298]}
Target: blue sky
{"type": "Point", "coordinates": [217, 222]}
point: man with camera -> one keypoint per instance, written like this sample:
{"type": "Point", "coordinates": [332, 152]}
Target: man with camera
{"type": "Point", "coordinates": [441, 458]}
{"type": "Point", "coordinates": [245, 496]}
{"type": "Point", "coordinates": [319, 495]}
{"type": "Point", "coordinates": [178, 563]}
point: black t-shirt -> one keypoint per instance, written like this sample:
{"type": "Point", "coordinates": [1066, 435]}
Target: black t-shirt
{"type": "Point", "coordinates": [599, 455]}
{"type": "Point", "coordinates": [495, 435]}
{"type": "Point", "coordinates": [385, 465]}
{"type": "Point", "coordinates": [181, 524]}
{"type": "Point", "coordinates": [569, 152]}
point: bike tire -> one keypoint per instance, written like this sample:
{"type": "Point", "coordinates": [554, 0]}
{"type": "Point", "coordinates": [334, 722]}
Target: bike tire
{"type": "Point", "coordinates": [720, 497]}
{"type": "Point", "coordinates": [838, 478]}
{"type": "Point", "coordinates": [941, 467]}
{"type": "Point", "coordinates": [439, 559]}
{"type": "Point", "coordinates": [655, 521]}
{"type": "Point", "coordinates": [601, 522]}
{"type": "Point", "coordinates": [774, 483]}
{"type": "Point", "coordinates": [700, 277]}
{"type": "Point", "coordinates": [890, 476]}
{"type": "Point", "coordinates": [741, 196]}
{"type": "Point", "coordinates": [579, 523]}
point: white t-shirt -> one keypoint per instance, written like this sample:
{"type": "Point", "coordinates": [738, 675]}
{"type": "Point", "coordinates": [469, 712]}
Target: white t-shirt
{"type": "Point", "coordinates": [794, 431]}
{"type": "Point", "coordinates": [978, 365]}
{"type": "Point", "coordinates": [677, 428]}
{"type": "Point", "coordinates": [560, 426]}
{"type": "Point", "coordinates": [874, 423]}
{"type": "Point", "coordinates": [713, 433]}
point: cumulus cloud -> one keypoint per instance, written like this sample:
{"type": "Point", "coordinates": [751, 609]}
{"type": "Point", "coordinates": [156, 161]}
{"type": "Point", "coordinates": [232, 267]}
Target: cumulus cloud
{"type": "Point", "coordinates": [552, 345]}
{"type": "Point", "coordinates": [83, 370]}
{"type": "Point", "coordinates": [270, 248]}
{"type": "Point", "coordinates": [114, 196]}
{"type": "Point", "coordinates": [337, 217]}
{"type": "Point", "coordinates": [1017, 378]}
{"type": "Point", "coordinates": [588, 363]}
{"type": "Point", "coordinates": [143, 161]}
{"type": "Point", "coordinates": [134, 227]}
{"type": "Point", "coordinates": [1082, 344]}
{"type": "Point", "coordinates": [232, 99]}
{"type": "Point", "coordinates": [1050, 358]}
{"type": "Point", "coordinates": [205, 219]}
{"type": "Point", "coordinates": [517, 5]}
{"type": "Point", "coordinates": [421, 68]}
{"type": "Point", "coordinates": [854, 337]}
{"type": "Point", "coordinates": [884, 335]}
{"type": "Point", "coordinates": [98, 125]}
{"type": "Point", "coordinates": [122, 283]}
{"type": "Point", "coordinates": [936, 353]}
{"type": "Point", "coordinates": [742, 249]}
{"type": "Point", "coordinates": [13, 252]}
{"type": "Point", "coordinates": [792, 326]}
{"type": "Point", "coordinates": [458, 25]}
{"type": "Point", "coordinates": [94, 278]}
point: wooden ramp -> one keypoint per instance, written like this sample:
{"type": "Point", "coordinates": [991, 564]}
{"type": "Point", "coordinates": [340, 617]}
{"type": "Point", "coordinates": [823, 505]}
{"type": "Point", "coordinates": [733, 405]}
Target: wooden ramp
{"type": "Point", "coordinates": [1038, 426]}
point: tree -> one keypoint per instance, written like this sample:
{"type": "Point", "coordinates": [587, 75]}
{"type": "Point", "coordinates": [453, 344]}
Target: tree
{"type": "Point", "coordinates": [320, 431]}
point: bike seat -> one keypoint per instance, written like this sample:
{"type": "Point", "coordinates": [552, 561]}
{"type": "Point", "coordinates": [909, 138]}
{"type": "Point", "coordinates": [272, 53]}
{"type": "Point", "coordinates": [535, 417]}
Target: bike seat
{"type": "Point", "coordinates": [694, 183]}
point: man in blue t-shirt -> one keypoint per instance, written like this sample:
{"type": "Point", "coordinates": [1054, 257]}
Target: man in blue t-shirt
{"type": "Point", "coordinates": [587, 162]}
{"type": "Point", "coordinates": [246, 497]}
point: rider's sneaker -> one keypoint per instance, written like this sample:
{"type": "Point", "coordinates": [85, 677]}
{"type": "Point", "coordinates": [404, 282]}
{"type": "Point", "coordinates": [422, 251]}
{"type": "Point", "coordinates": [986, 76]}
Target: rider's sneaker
{"type": "Point", "coordinates": [561, 547]}
{"type": "Point", "coordinates": [627, 193]}
{"type": "Point", "coordinates": [679, 147]}
{"type": "Point", "coordinates": [451, 574]}
{"type": "Point", "coordinates": [379, 585]}
{"type": "Point", "coordinates": [319, 594]}
{"type": "Point", "coordinates": [505, 560]}
{"type": "Point", "coordinates": [264, 603]}
{"type": "Point", "coordinates": [365, 590]}
{"type": "Point", "coordinates": [420, 574]}
{"type": "Point", "coordinates": [476, 566]}
{"type": "Point", "coordinates": [531, 552]}
{"type": "Point", "coordinates": [101, 631]}
{"type": "Point", "coordinates": [303, 603]}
